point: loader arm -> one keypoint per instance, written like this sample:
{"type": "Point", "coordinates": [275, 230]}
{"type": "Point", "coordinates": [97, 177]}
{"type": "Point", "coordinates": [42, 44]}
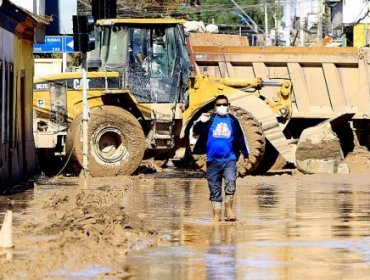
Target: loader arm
{"type": "Point", "coordinates": [281, 103]}
{"type": "Point", "coordinates": [203, 91]}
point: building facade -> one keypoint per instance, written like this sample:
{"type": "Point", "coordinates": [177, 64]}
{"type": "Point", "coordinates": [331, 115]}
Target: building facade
{"type": "Point", "coordinates": [17, 148]}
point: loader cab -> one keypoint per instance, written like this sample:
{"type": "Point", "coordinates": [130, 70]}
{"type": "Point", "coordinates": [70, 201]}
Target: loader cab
{"type": "Point", "coordinates": [151, 55]}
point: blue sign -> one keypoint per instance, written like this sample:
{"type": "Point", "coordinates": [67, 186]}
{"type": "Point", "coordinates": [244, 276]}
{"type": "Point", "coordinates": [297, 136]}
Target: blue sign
{"type": "Point", "coordinates": [52, 44]}
{"type": "Point", "coordinates": [55, 44]}
{"type": "Point", "coordinates": [68, 44]}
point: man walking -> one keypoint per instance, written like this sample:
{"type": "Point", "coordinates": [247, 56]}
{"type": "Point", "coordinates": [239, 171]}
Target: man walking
{"type": "Point", "coordinates": [222, 139]}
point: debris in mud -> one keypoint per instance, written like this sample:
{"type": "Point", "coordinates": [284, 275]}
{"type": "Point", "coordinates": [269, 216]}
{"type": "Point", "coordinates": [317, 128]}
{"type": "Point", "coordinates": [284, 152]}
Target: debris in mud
{"type": "Point", "coordinates": [148, 167]}
{"type": "Point", "coordinates": [319, 151]}
{"type": "Point", "coordinates": [94, 212]}
{"type": "Point", "coordinates": [359, 160]}
{"type": "Point", "coordinates": [77, 228]}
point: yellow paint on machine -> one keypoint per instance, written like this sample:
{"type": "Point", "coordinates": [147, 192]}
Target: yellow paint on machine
{"type": "Point", "coordinates": [41, 95]}
{"type": "Point", "coordinates": [74, 97]}
{"type": "Point", "coordinates": [361, 35]}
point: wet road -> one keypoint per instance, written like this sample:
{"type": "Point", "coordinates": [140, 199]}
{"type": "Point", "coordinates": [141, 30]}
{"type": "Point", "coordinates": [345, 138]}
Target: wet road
{"type": "Point", "coordinates": [286, 229]}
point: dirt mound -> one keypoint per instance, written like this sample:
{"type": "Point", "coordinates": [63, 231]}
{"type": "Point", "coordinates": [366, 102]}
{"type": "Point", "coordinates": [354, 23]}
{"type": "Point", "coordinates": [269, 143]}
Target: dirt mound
{"type": "Point", "coordinates": [359, 160]}
{"type": "Point", "coordinates": [78, 228]}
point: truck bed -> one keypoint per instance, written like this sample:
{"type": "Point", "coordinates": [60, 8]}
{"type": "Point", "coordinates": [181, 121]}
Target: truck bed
{"type": "Point", "coordinates": [326, 81]}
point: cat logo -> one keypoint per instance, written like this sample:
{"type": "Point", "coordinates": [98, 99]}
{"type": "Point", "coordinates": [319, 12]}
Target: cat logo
{"type": "Point", "coordinates": [77, 84]}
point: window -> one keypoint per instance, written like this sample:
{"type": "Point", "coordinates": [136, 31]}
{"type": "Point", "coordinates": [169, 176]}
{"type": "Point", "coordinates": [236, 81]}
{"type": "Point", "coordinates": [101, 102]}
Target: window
{"type": "Point", "coordinates": [114, 46]}
{"type": "Point", "coordinates": [164, 52]}
{"type": "Point", "coordinates": [139, 45]}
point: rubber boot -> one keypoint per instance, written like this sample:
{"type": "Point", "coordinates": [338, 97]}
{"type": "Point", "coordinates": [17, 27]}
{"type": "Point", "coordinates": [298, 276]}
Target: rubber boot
{"type": "Point", "coordinates": [229, 214]}
{"type": "Point", "coordinates": [216, 211]}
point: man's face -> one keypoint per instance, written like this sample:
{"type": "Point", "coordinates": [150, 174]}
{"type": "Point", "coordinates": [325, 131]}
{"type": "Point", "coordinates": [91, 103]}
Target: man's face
{"type": "Point", "coordinates": [222, 107]}
{"type": "Point", "coordinates": [221, 102]}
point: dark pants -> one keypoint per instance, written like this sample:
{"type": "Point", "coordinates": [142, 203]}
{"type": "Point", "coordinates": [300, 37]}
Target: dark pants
{"type": "Point", "coordinates": [215, 172]}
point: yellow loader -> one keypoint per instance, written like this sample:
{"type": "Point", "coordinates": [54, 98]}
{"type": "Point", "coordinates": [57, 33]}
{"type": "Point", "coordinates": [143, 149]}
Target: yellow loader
{"type": "Point", "coordinates": [144, 94]}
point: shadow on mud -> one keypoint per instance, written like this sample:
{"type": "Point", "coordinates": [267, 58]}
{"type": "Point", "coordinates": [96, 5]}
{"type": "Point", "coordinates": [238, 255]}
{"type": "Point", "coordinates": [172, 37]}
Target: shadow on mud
{"type": "Point", "coordinates": [178, 173]}
{"type": "Point", "coordinates": [56, 167]}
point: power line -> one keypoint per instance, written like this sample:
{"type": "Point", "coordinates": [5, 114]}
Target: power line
{"type": "Point", "coordinates": [83, 3]}
{"type": "Point", "coordinates": [366, 14]}
{"type": "Point", "coordinates": [211, 7]}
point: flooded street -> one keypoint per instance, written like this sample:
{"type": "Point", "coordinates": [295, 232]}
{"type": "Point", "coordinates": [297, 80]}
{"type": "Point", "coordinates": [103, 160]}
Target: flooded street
{"type": "Point", "coordinates": [289, 227]}
{"type": "Point", "coordinates": [295, 230]}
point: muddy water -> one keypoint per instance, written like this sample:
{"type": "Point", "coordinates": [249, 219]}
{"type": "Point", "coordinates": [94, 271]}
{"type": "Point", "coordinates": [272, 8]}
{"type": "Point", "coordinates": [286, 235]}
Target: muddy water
{"type": "Point", "coordinates": [290, 227]}
{"type": "Point", "coordinates": [287, 229]}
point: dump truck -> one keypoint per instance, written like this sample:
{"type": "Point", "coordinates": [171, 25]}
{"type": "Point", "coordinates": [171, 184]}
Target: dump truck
{"type": "Point", "coordinates": [148, 83]}
{"type": "Point", "coordinates": [330, 85]}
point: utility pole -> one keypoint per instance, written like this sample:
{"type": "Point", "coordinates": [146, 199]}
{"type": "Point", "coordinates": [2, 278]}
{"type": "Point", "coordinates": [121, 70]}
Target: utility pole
{"type": "Point", "coordinates": [301, 23]}
{"type": "Point", "coordinates": [85, 117]}
{"type": "Point", "coordinates": [84, 41]}
{"type": "Point", "coordinates": [288, 23]}
{"type": "Point", "coordinates": [277, 22]}
{"type": "Point", "coordinates": [319, 22]}
{"type": "Point", "coordinates": [267, 38]}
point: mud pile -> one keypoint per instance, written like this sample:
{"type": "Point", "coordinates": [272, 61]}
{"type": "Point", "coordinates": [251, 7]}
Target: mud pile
{"type": "Point", "coordinates": [359, 160]}
{"type": "Point", "coordinates": [83, 228]}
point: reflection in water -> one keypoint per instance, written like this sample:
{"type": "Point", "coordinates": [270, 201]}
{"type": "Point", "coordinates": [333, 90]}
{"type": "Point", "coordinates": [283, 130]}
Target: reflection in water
{"type": "Point", "coordinates": [220, 258]}
{"type": "Point", "coordinates": [87, 273]}
{"type": "Point", "coordinates": [187, 197]}
{"type": "Point", "coordinates": [266, 196]}
{"type": "Point", "coordinates": [285, 232]}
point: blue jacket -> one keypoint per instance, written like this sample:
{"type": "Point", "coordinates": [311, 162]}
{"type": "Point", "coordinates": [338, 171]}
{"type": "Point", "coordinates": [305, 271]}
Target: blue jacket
{"type": "Point", "coordinates": [202, 129]}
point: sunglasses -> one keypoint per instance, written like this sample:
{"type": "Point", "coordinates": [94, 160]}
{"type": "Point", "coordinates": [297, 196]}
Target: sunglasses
{"type": "Point", "coordinates": [222, 104]}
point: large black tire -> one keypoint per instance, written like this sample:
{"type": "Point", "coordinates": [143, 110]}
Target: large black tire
{"type": "Point", "coordinates": [116, 142]}
{"type": "Point", "coordinates": [255, 138]}
{"type": "Point", "coordinates": [256, 141]}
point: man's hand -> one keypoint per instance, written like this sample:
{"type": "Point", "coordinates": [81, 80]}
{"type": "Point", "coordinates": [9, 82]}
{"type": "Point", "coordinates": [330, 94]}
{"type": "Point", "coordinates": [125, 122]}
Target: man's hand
{"type": "Point", "coordinates": [204, 117]}
{"type": "Point", "coordinates": [199, 124]}
{"type": "Point", "coordinates": [247, 163]}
